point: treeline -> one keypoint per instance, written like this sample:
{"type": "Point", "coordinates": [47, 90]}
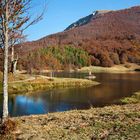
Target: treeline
{"type": "Point", "coordinates": [55, 58]}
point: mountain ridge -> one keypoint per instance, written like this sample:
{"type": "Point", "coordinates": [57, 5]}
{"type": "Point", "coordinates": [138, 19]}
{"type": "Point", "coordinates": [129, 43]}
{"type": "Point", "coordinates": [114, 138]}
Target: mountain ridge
{"type": "Point", "coordinates": [112, 38]}
{"type": "Point", "coordinates": [87, 19]}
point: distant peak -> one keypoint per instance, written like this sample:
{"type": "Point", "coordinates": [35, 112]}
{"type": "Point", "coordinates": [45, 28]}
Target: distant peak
{"type": "Point", "coordinates": [87, 19]}
{"type": "Point", "coordinates": [94, 13]}
{"type": "Point", "coordinates": [102, 11]}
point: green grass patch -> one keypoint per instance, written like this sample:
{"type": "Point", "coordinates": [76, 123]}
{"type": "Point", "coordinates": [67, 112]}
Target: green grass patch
{"type": "Point", "coordinates": [44, 84]}
{"type": "Point", "coordinates": [24, 83]}
{"type": "Point", "coordinates": [133, 99]}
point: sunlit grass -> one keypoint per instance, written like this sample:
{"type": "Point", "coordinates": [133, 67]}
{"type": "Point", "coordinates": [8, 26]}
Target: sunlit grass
{"type": "Point", "coordinates": [111, 123]}
{"type": "Point", "coordinates": [133, 99]}
{"type": "Point", "coordinates": [24, 83]}
{"type": "Point", "coordinates": [45, 84]}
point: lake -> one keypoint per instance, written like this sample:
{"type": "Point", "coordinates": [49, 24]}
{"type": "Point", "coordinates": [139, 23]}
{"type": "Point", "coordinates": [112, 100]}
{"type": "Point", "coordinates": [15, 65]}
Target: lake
{"type": "Point", "coordinates": [113, 87]}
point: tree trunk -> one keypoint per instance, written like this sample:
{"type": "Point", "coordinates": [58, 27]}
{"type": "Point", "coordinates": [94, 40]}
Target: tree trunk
{"type": "Point", "coordinates": [13, 61]}
{"type": "Point", "coordinates": [12, 53]}
{"type": "Point", "coordinates": [5, 70]}
{"type": "Point", "coordinates": [14, 66]}
{"type": "Point", "coordinates": [5, 79]}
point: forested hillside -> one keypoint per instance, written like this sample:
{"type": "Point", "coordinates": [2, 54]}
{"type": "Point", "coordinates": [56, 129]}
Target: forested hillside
{"type": "Point", "coordinates": [55, 58]}
{"type": "Point", "coordinates": [109, 38]}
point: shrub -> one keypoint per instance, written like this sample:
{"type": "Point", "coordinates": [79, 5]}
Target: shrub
{"type": "Point", "coordinates": [95, 61]}
{"type": "Point", "coordinates": [105, 60]}
{"type": "Point", "coordinates": [123, 58]}
{"type": "Point", "coordinates": [115, 58]}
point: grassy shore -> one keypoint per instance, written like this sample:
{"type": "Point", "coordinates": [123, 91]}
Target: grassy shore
{"type": "Point", "coordinates": [123, 68]}
{"type": "Point", "coordinates": [107, 123]}
{"type": "Point", "coordinates": [132, 100]}
{"type": "Point", "coordinates": [27, 83]}
{"type": "Point", "coordinates": [110, 123]}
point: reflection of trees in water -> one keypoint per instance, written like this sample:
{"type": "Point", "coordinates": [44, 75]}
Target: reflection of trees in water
{"type": "Point", "coordinates": [53, 101]}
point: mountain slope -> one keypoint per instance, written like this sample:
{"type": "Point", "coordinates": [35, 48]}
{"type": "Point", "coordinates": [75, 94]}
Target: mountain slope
{"type": "Point", "coordinates": [87, 19]}
{"type": "Point", "coordinates": [110, 38]}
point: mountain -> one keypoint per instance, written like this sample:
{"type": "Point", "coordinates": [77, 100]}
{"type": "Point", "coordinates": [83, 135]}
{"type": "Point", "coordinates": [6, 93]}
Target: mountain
{"type": "Point", "coordinates": [86, 19]}
{"type": "Point", "coordinates": [109, 37]}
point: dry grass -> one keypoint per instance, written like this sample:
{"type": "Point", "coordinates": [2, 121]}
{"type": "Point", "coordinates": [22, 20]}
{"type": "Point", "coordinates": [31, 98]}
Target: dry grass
{"type": "Point", "coordinates": [123, 68]}
{"type": "Point", "coordinates": [22, 83]}
{"type": "Point", "coordinates": [108, 123]}
{"type": "Point", "coordinates": [45, 84]}
{"type": "Point", "coordinates": [132, 100]}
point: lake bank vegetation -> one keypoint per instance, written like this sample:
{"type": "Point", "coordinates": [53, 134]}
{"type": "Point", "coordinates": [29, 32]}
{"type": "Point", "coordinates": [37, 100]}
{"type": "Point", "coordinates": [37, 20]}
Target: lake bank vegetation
{"type": "Point", "coordinates": [23, 83]}
{"type": "Point", "coordinates": [122, 68]}
{"type": "Point", "coordinates": [132, 100]}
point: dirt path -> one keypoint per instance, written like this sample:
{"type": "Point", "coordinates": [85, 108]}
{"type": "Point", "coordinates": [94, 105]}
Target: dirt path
{"type": "Point", "coordinates": [26, 80]}
{"type": "Point", "coordinates": [29, 78]}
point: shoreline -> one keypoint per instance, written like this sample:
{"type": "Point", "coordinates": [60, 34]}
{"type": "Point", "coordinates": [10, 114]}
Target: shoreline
{"type": "Point", "coordinates": [28, 84]}
{"type": "Point", "coordinates": [95, 123]}
{"type": "Point", "coordinates": [35, 84]}
{"type": "Point", "coordinates": [123, 68]}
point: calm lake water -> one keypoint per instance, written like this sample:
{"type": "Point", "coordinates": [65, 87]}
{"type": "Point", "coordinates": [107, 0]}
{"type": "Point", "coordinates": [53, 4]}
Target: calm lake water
{"type": "Point", "coordinates": [112, 88]}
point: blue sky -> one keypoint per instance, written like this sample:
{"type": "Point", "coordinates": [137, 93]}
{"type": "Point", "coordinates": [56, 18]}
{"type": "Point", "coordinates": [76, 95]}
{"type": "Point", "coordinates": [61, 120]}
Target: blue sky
{"type": "Point", "coordinates": [61, 13]}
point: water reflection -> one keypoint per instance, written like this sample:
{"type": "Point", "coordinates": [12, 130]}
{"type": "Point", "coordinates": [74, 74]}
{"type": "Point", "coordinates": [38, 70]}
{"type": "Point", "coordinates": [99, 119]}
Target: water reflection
{"type": "Point", "coordinates": [112, 88]}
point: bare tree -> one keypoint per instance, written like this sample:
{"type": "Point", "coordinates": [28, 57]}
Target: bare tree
{"type": "Point", "coordinates": [13, 15]}
{"type": "Point", "coordinates": [5, 43]}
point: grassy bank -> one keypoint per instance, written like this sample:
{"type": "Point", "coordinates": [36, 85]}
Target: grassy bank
{"type": "Point", "coordinates": [111, 123]}
{"type": "Point", "coordinates": [107, 123]}
{"type": "Point", "coordinates": [123, 68]}
{"type": "Point", "coordinates": [44, 84]}
{"type": "Point", "coordinates": [27, 83]}
{"type": "Point", "coordinates": [132, 100]}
